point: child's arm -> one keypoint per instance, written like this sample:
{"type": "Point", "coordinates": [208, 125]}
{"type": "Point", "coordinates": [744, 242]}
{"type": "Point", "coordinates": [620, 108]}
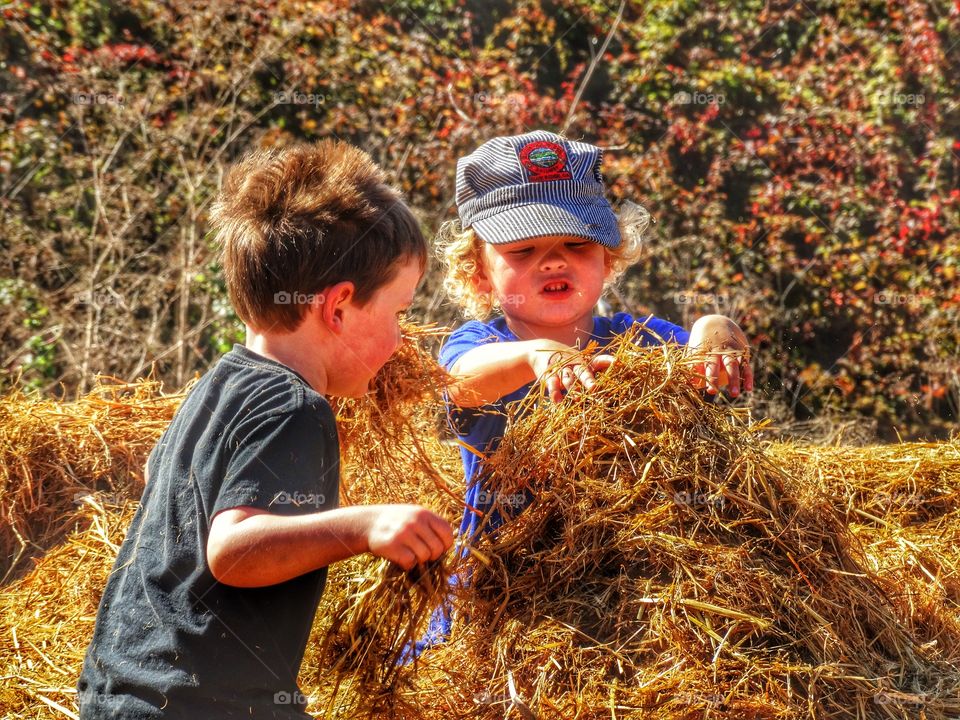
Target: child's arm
{"type": "Point", "coordinates": [249, 547]}
{"type": "Point", "coordinates": [488, 372]}
{"type": "Point", "coordinates": [728, 362]}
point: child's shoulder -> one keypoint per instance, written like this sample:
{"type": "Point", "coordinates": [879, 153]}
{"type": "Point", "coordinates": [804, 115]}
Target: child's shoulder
{"type": "Point", "coordinates": [243, 384]}
{"type": "Point", "coordinates": [484, 328]}
{"type": "Point", "coordinates": [471, 334]}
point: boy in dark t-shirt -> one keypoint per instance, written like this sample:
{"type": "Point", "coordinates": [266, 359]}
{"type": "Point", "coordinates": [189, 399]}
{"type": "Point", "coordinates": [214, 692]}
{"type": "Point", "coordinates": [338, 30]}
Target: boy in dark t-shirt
{"type": "Point", "coordinates": [209, 606]}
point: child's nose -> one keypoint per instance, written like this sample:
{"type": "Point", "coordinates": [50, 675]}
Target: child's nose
{"type": "Point", "coordinates": [553, 260]}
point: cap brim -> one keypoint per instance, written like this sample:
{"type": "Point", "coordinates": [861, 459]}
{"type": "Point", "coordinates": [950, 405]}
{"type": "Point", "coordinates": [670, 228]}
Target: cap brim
{"type": "Point", "coordinates": [593, 222]}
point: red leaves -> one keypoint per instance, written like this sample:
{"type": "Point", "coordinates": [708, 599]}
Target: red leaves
{"type": "Point", "coordinates": [127, 53]}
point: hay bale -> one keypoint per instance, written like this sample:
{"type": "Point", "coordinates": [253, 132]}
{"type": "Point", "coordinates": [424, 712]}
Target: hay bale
{"type": "Point", "coordinates": [52, 454]}
{"type": "Point", "coordinates": [669, 568]}
{"type": "Point", "coordinates": [49, 613]}
{"type": "Point", "coordinates": [903, 484]}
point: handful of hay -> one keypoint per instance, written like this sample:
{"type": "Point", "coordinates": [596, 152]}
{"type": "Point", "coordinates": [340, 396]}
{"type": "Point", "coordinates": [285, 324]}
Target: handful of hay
{"type": "Point", "coordinates": [389, 437]}
{"type": "Point", "coordinates": [374, 629]}
{"type": "Point", "coordinates": [669, 568]}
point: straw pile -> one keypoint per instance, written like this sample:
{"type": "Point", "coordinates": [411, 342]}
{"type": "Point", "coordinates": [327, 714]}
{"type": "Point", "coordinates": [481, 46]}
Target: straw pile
{"type": "Point", "coordinates": [48, 615]}
{"type": "Point", "coordinates": [672, 567]}
{"type": "Point", "coordinates": [53, 454]}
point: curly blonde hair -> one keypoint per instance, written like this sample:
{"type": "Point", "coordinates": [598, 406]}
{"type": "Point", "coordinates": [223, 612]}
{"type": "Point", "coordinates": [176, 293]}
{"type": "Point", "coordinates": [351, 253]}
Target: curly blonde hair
{"type": "Point", "coordinates": [461, 252]}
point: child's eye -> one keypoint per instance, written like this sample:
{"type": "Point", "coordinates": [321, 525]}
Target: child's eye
{"type": "Point", "coordinates": [519, 252]}
{"type": "Point", "coordinates": [578, 245]}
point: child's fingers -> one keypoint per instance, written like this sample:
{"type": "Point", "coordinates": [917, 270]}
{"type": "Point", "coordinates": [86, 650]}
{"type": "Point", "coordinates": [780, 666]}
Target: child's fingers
{"type": "Point", "coordinates": [573, 374]}
{"type": "Point", "coordinates": [441, 530]}
{"type": "Point", "coordinates": [746, 372]}
{"type": "Point", "coordinates": [433, 542]}
{"type": "Point", "coordinates": [418, 545]}
{"type": "Point", "coordinates": [601, 362]}
{"type": "Point", "coordinates": [555, 387]}
{"type": "Point", "coordinates": [402, 556]}
{"type": "Point", "coordinates": [585, 376]}
{"type": "Point", "coordinates": [712, 373]}
{"type": "Point", "coordinates": [731, 363]}
{"type": "Point", "coordinates": [566, 377]}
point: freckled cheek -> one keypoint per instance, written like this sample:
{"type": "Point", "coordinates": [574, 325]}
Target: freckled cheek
{"type": "Point", "coordinates": [516, 283]}
{"type": "Point", "coordinates": [388, 345]}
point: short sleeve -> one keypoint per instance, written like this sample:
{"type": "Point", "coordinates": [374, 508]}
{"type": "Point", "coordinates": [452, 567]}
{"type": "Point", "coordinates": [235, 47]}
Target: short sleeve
{"type": "Point", "coordinates": [465, 422]}
{"type": "Point", "coordinates": [286, 462]}
{"type": "Point", "coordinates": [466, 338]}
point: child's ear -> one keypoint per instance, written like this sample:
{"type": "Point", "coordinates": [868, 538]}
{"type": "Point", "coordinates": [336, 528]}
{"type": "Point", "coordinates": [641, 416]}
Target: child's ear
{"type": "Point", "coordinates": [607, 264]}
{"type": "Point", "coordinates": [481, 283]}
{"type": "Point", "coordinates": [331, 304]}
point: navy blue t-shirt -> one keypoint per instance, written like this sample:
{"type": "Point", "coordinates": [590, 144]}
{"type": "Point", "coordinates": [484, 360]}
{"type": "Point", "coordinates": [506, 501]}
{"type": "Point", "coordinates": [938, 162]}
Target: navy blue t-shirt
{"type": "Point", "coordinates": [170, 640]}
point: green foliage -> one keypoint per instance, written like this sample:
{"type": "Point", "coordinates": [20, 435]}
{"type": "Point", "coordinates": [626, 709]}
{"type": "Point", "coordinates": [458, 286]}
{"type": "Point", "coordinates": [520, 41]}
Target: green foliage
{"type": "Point", "coordinates": [803, 162]}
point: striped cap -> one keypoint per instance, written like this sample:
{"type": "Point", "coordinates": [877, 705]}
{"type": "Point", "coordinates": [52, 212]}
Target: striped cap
{"type": "Point", "coordinates": [532, 185]}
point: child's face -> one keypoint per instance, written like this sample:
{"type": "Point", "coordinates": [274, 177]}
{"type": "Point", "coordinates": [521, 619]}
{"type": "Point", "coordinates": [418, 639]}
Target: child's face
{"type": "Point", "coordinates": [545, 282]}
{"type": "Point", "coordinates": [371, 332]}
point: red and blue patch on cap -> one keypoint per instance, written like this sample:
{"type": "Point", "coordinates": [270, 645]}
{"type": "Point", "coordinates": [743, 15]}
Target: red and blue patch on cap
{"type": "Point", "coordinates": [544, 161]}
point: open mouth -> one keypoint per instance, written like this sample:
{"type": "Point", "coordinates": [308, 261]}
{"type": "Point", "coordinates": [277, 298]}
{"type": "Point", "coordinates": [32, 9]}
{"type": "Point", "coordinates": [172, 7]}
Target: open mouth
{"type": "Point", "coordinates": [556, 287]}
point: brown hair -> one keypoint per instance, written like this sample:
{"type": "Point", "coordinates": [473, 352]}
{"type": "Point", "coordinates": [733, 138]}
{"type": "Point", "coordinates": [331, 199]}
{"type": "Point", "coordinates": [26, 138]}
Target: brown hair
{"type": "Point", "coordinates": [294, 221]}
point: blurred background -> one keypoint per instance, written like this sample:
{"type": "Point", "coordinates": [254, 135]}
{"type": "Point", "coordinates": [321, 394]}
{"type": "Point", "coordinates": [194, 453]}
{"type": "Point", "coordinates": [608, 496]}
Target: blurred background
{"type": "Point", "coordinates": [802, 160]}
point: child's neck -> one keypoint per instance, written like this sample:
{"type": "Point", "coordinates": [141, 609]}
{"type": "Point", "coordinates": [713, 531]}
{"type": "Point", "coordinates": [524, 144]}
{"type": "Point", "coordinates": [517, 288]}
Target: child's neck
{"type": "Point", "coordinates": [294, 352]}
{"type": "Point", "coordinates": [575, 335]}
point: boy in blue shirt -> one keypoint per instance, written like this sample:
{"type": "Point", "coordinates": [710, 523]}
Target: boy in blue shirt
{"type": "Point", "coordinates": [538, 240]}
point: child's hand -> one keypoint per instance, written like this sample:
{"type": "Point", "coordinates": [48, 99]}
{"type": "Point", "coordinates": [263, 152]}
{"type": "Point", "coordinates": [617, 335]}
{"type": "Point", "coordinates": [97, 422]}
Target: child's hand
{"type": "Point", "coordinates": [728, 360]}
{"type": "Point", "coordinates": [562, 367]}
{"type": "Point", "coordinates": [408, 535]}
